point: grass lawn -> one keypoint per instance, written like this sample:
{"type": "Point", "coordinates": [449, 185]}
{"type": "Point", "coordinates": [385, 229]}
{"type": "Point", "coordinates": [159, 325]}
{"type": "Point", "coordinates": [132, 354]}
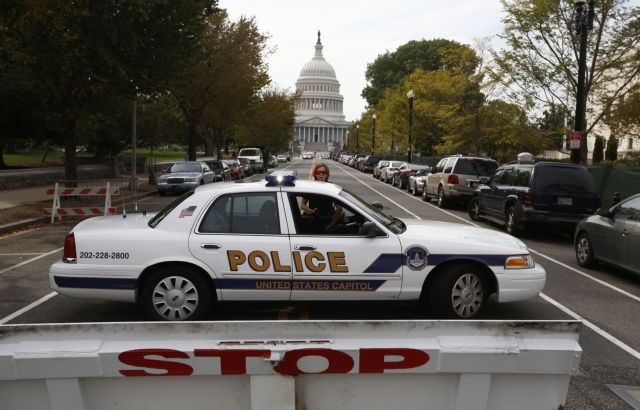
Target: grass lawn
{"type": "Point", "coordinates": [33, 159]}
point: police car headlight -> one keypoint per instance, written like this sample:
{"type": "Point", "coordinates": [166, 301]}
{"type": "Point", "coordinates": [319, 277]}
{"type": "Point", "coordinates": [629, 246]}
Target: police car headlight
{"type": "Point", "coordinates": [519, 262]}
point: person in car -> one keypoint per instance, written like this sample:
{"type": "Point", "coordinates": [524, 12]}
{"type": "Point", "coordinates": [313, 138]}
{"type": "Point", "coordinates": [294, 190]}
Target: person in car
{"type": "Point", "coordinates": [320, 207]}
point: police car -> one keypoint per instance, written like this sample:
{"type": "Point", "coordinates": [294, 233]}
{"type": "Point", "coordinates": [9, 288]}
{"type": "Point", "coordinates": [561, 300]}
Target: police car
{"type": "Point", "coordinates": [250, 241]}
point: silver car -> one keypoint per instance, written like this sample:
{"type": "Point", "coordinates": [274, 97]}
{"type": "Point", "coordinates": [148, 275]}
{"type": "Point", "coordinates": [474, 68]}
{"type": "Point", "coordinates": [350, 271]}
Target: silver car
{"type": "Point", "coordinates": [184, 176]}
{"type": "Point", "coordinates": [612, 235]}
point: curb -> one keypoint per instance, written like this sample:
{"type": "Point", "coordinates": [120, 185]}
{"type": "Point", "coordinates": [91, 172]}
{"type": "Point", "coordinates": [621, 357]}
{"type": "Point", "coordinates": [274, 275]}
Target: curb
{"type": "Point", "coordinates": [15, 226]}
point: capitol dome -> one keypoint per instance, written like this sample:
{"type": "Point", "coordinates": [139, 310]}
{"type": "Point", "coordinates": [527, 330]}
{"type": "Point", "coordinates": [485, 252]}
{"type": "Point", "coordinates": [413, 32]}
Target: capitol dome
{"type": "Point", "coordinates": [320, 124]}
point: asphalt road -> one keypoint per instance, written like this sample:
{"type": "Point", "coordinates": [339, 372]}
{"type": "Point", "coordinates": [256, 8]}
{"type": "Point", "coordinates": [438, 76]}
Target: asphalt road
{"type": "Point", "coordinates": [606, 299]}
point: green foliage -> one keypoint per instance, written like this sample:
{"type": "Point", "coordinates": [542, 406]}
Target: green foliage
{"type": "Point", "coordinates": [598, 150]}
{"type": "Point", "coordinates": [624, 118]}
{"type": "Point", "coordinates": [270, 121]}
{"type": "Point", "coordinates": [390, 68]}
{"type": "Point", "coordinates": [552, 124]}
{"type": "Point", "coordinates": [611, 152]}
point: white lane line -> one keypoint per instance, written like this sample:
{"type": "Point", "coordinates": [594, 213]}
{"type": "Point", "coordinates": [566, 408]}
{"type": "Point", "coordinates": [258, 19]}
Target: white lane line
{"type": "Point", "coordinates": [565, 309]}
{"type": "Point", "coordinates": [25, 309]}
{"type": "Point", "coordinates": [593, 327]}
{"type": "Point", "coordinates": [20, 254]}
{"type": "Point", "coordinates": [30, 260]}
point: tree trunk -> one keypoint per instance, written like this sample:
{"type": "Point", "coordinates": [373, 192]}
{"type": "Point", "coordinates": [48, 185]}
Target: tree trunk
{"type": "Point", "coordinates": [192, 143]}
{"type": "Point", "coordinates": [70, 165]}
{"type": "Point", "coordinates": [2, 163]}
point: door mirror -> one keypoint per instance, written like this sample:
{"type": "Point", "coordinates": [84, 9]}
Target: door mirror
{"type": "Point", "coordinates": [483, 180]}
{"type": "Point", "coordinates": [377, 205]}
{"type": "Point", "coordinates": [604, 212]}
{"type": "Point", "coordinates": [369, 229]}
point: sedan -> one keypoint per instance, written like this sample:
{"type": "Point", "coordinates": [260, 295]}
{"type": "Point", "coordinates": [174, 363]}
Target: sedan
{"type": "Point", "coordinates": [184, 176]}
{"type": "Point", "coordinates": [417, 181]}
{"type": "Point", "coordinates": [401, 178]}
{"type": "Point", "coordinates": [386, 174]}
{"type": "Point", "coordinates": [220, 169]}
{"type": "Point", "coordinates": [612, 235]}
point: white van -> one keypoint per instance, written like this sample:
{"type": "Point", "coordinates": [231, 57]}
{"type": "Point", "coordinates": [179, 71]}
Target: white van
{"type": "Point", "coordinates": [254, 155]}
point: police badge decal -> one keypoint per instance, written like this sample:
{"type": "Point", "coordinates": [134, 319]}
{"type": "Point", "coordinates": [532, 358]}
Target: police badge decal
{"type": "Point", "coordinates": [416, 257]}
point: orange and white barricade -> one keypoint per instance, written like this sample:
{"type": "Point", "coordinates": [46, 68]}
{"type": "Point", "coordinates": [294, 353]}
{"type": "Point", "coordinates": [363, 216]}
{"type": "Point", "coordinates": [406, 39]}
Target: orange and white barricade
{"type": "Point", "coordinates": [58, 192]}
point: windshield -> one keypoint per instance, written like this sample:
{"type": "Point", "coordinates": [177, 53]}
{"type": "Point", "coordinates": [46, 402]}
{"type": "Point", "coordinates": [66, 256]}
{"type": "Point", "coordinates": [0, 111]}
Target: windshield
{"type": "Point", "coordinates": [251, 152]}
{"type": "Point", "coordinates": [167, 209]}
{"type": "Point", "coordinates": [393, 224]}
{"type": "Point", "coordinates": [190, 167]}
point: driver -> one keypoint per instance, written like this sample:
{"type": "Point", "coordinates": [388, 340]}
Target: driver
{"type": "Point", "coordinates": [322, 208]}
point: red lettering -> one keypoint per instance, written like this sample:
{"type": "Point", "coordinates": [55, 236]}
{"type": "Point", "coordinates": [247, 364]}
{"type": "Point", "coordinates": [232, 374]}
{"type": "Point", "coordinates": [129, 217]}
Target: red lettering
{"type": "Point", "coordinates": [138, 358]}
{"type": "Point", "coordinates": [373, 360]}
{"type": "Point", "coordinates": [232, 361]}
{"type": "Point", "coordinates": [339, 362]}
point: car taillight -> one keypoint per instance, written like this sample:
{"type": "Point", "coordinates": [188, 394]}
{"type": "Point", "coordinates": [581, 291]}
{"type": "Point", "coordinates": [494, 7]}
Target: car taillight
{"type": "Point", "coordinates": [528, 198]}
{"type": "Point", "coordinates": [392, 169]}
{"type": "Point", "coordinates": [69, 254]}
{"type": "Point", "coordinates": [453, 179]}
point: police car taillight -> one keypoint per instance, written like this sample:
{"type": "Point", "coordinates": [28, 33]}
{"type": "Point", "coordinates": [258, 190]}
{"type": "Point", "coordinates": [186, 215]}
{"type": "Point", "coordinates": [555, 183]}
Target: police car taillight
{"type": "Point", "coordinates": [69, 254]}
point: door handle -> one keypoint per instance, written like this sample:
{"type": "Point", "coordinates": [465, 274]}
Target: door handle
{"type": "Point", "coordinates": [304, 248]}
{"type": "Point", "coordinates": [210, 246]}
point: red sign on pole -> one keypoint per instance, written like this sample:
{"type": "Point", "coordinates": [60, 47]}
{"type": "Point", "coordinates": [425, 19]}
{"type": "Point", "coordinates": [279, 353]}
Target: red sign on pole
{"type": "Point", "coordinates": [576, 136]}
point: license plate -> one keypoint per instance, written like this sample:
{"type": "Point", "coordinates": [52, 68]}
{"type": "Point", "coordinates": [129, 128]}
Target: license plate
{"type": "Point", "coordinates": [565, 201]}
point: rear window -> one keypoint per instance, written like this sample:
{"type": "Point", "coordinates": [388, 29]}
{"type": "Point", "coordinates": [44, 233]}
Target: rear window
{"type": "Point", "coordinates": [566, 179]}
{"type": "Point", "coordinates": [251, 152]}
{"type": "Point", "coordinates": [475, 166]}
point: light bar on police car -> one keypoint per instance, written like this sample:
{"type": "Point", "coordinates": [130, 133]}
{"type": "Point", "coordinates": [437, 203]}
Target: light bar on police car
{"type": "Point", "coordinates": [284, 178]}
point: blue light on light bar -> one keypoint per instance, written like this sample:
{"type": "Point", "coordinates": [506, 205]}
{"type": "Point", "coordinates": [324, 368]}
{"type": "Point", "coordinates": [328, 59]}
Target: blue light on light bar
{"type": "Point", "coordinates": [281, 178]}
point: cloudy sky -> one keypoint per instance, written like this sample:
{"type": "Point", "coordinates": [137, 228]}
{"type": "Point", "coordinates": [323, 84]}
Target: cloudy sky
{"type": "Point", "coordinates": [355, 32]}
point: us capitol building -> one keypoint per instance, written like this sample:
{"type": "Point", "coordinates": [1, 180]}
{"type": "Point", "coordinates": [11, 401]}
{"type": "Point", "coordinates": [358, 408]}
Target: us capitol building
{"type": "Point", "coordinates": [319, 125]}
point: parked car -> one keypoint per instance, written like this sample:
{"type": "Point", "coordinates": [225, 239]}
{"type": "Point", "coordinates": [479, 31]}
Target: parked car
{"type": "Point", "coordinates": [386, 173]}
{"type": "Point", "coordinates": [378, 168]}
{"type": "Point", "coordinates": [235, 168]}
{"type": "Point", "coordinates": [220, 170]}
{"type": "Point", "coordinates": [545, 192]}
{"type": "Point", "coordinates": [448, 179]}
{"type": "Point", "coordinates": [401, 178]}
{"type": "Point", "coordinates": [255, 155]}
{"type": "Point", "coordinates": [612, 235]}
{"type": "Point", "coordinates": [282, 158]}
{"type": "Point", "coordinates": [369, 162]}
{"type": "Point", "coordinates": [418, 180]}
{"type": "Point", "coordinates": [248, 166]}
{"type": "Point", "coordinates": [184, 176]}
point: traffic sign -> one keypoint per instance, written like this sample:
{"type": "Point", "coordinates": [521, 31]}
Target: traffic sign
{"type": "Point", "coordinates": [576, 136]}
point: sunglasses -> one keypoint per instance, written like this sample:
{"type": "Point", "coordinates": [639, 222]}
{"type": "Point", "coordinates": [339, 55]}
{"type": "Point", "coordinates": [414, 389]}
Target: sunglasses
{"type": "Point", "coordinates": [321, 172]}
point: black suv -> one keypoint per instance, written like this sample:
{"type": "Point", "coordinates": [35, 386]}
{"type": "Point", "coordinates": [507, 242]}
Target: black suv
{"type": "Point", "coordinates": [370, 162]}
{"type": "Point", "coordinates": [544, 192]}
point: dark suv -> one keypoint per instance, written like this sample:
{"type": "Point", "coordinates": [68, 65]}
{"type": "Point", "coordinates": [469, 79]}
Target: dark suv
{"type": "Point", "coordinates": [544, 192]}
{"type": "Point", "coordinates": [369, 163]}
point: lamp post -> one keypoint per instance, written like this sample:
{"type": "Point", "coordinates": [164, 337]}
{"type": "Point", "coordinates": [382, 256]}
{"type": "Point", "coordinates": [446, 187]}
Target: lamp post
{"type": "Point", "coordinates": [584, 23]}
{"type": "Point", "coordinates": [357, 139]}
{"type": "Point", "coordinates": [410, 96]}
{"type": "Point", "coordinates": [373, 135]}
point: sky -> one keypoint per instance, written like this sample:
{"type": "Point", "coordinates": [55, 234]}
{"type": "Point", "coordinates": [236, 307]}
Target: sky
{"type": "Point", "coordinates": [355, 32]}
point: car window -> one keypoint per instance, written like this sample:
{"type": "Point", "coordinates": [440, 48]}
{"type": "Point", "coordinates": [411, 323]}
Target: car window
{"type": "Point", "coordinates": [251, 152]}
{"type": "Point", "coordinates": [189, 167]}
{"type": "Point", "coordinates": [153, 222]}
{"type": "Point", "coordinates": [563, 178]}
{"type": "Point", "coordinates": [475, 166]}
{"type": "Point", "coordinates": [246, 213]}
{"type": "Point", "coordinates": [319, 223]}
{"type": "Point", "coordinates": [522, 177]}
{"type": "Point", "coordinates": [630, 209]}
{"type": "Point", "coordinates": [449, 165]}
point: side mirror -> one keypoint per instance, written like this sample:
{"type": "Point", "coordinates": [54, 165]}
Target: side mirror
{"type": "Point", "coordinates": [603, 212]}
{"type": "Point", "coordinates": [483, 180]}
{"type": "Point", "coordinates": [377, 205]}
{"type": "Point", "coordinates": [369, 229]}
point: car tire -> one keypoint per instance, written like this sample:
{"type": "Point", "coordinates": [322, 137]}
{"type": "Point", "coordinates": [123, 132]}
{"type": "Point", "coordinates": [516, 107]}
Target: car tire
{"type": "Point", "coordinates": [175, 292]}
{"type": "Point", "coordinates": [459, 291]}
{"type": "Point", "coordinates": [400, 184]}
{"type": "Point", "coordinates": [425, 196]}
{"type": "Point", "coordinates": [474, 210]}
{"type": "Point", "coordinates": [584, 250]}
{"type": "Point", "coordinates": [442, 199]}
{"type": "Point", "coordinates": [511, 221]}
{"type": "Point", "coordinates": [162, 193]}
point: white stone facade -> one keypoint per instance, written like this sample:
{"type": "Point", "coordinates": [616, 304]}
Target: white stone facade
{"type": "Point", "coordinates": [320, 123]}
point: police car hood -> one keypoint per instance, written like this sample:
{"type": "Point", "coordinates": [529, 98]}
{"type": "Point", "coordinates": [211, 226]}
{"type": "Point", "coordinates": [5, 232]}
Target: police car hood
{"type": "Point", "coordinates": [114, 223]}
{"type": "Point", "coordinates": [447, 238]}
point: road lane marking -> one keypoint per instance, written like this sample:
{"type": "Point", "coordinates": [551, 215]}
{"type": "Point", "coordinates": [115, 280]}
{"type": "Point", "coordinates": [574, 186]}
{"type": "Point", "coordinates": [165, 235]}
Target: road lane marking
{"type": "Point", "coordinates": [30, 260]}
{"type": "Point", "coordinates": [25, 309]}
{"type": "Point", "coordinates": [565, 309]}
{"type": "Point", "coordinates": [20, 254]}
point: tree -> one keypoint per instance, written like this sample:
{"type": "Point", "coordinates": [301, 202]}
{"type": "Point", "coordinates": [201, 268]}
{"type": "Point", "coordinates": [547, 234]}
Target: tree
{"type": "Point", "coordinates": [75, 51]}
{"type": "Point", "coordinates": [539, 64]}
{"type": "Point", "coordinates": [598, 150]}
{"type": "Point", "coordinates": [390, 69]}
{"type": "Point", "coordinates": [552, 124]}
{"type": "Point", "coordinates": [611, 152]}
{"type": "Point", "coordinates": [624, 118]}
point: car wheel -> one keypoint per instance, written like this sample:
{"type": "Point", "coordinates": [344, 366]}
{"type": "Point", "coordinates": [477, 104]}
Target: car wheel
{"type": "Point", "coordinates": [474, 210]}
{"type": "Point", "coordinates": [176, 293]}
{"type": "Point", "coordinates": [511, 221]}
{"type": "Point", "coordinates": [202, 182]}
{"type": "Point", "coordinates": [460, 291]}
{"type": "Point", "coordinates": [442, 200]}
{"type": "Point", "coordinates": [425, 197]}
{"type": "Point", "coordinates": [400, 184]}
{"type": "Point", "coordinates": [162, 193]}
{"type": "Point", "coordinates": [584, 250]}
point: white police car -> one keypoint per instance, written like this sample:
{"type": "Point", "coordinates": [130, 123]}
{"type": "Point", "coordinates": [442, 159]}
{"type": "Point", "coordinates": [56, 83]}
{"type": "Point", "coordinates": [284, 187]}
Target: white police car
{"type": "Point", "coordinates": [250, 241]}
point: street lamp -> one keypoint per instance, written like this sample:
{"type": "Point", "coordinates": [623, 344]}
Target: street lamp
{"type": "Point", "coordinates": [373, 136]}
{"type": "Point", "coordinates": [584, 23]}
{"type": "Point", "coordinates": [357, 139]}
{"type": "Point", "coordinates": [410, 96]}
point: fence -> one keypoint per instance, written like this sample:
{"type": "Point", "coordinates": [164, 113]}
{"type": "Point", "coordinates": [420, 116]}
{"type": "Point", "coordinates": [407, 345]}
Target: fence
{"type": "Point", "coordinates": [609, 180]}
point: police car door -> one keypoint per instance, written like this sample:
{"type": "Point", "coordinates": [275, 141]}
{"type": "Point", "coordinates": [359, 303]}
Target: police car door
{"type": "Point", "coordinates": [340, 264]}
{"type": "Point", "coordinates": [243, 238]}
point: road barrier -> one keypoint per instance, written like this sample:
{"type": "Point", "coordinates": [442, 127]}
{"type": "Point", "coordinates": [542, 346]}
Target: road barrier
{"type": "Point", "coordinates": [80, 189]}
{"type": "Point", "coordinates": [461, 365]}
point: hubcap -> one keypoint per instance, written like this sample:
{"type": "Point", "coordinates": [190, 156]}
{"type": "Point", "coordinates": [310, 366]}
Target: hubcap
{"type": "Point", "coordinates": [466, 295]}
{"type": "Point", "coordinates": [440, 196]}
{"type": "Point", "coordinates": [510, 218]}
{"type": "Point", "coordinates": [583, 249]}
{"type": "Point", "coordinates": [175, 298]}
